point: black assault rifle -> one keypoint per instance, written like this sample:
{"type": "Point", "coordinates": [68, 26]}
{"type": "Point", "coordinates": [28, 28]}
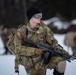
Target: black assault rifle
{"type": "Point", "coordinates": [49, 50]}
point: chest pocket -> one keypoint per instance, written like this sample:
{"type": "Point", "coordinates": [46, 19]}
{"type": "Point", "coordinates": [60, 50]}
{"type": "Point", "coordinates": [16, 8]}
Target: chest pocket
{"type": "Point", "coordinates": [36, 36]}
{"type": "Point", "coordinates": [40, 36]}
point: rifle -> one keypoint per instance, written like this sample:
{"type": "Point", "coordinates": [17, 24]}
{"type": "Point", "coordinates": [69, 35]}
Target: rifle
{"type": "Point", "coordinates": [50, 50]}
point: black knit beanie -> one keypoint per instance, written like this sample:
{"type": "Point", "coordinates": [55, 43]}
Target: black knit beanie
{"type": "Point", "coordinates": [32, 11]}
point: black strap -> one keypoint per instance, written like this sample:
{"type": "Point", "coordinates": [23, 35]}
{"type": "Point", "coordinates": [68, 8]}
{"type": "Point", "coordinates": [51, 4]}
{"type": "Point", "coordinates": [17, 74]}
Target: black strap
{"type": "Point", "coordinates": [26, 32]}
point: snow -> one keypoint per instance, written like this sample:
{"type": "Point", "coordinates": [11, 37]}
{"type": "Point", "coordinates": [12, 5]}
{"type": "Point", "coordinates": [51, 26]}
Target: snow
{"type": "Point", "coordinates": [58, 23]}
{"type": "Point", "coordinates": [1, 46]}
{"type": "Point", "coordinates": [54, 19]}
{"type": "Point", "coordinates": [73, 22]}
{"type": "Point", "coordinates": [7, 62]}
{"type": "Point", "coordinates": [61, 25]}
{"type": "Point", "coordinates": [7, 66]}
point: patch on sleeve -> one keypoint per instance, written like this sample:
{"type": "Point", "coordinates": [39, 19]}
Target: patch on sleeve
{"type": "Point", "coordinates": [19, 35]}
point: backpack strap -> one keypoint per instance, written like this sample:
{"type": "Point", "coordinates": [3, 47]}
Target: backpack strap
{"type": "Point", "coordinates": [26, 32]}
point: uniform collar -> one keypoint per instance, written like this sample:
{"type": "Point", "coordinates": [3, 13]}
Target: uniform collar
{"type": "Point", "coordinates": [33, 30]}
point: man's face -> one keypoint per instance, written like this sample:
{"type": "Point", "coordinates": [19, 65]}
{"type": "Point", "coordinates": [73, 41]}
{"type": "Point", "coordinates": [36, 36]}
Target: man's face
{"type": "Point", "coordinates": [37, 17]}
{"type": "Point", "coordinates": [35, 20]}
{"type": "Point", "coordinates": [5, 31]}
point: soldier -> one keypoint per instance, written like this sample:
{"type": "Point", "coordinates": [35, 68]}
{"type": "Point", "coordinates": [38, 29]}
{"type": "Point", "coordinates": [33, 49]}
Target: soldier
{"type": "Point", "coordinates": [31, 57]}
{"type": "Point", "coordinates": [5, 32]}
{"type": "Point", "coordinates": [70, 41]}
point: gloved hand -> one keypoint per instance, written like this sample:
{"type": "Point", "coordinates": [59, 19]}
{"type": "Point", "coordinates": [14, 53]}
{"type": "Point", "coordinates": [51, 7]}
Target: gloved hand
{"type": "Point", "coordinates": [39, 51]}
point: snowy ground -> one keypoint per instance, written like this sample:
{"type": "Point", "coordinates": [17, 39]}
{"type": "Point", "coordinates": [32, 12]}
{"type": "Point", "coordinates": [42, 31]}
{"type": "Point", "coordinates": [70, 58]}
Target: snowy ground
{"type": "Point", "coordinates": [7, 62]}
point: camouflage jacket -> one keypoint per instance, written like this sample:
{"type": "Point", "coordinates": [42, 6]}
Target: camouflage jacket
{"type": "Point", "coordinates": [5, 36]}
{"type": "Point", "coordinates": [27, 52]}
{"type": "Point", "coordinates": [40, 33]}
{"type": "Point", "coordinates": [70, 39]}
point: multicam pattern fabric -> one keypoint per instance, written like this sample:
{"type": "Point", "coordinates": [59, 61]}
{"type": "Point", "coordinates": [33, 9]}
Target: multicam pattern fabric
{"type": "Point", "coordinates": [5, 37]}
{"type": "Point", "coordinates": [70, 41]}
{"type": "Point", "coordinates": [9, 42]}
{"type": "Point", "coordinates": [32, 62]}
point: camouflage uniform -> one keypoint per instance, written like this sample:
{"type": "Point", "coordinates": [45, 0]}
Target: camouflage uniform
{"type": "Point", "coordinates": [32, 62]}
{"type": "Point", "coordinates": [5, 36]}
{"type": "Point", "coordinates": [70, 41]}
